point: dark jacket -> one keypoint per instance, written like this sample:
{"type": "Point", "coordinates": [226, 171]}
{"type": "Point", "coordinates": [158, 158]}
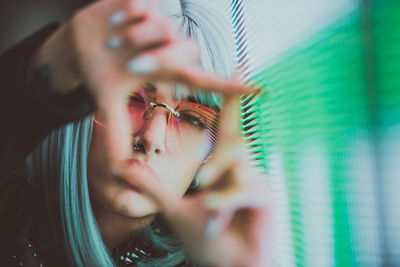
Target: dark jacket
{"type": "Point", "coordinates": [28, 112]}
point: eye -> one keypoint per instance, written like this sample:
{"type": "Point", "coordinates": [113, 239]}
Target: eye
{"type": "Point", "coordinates": [136, 98]}
{"type": "Point", "coordinates": [192, 120]}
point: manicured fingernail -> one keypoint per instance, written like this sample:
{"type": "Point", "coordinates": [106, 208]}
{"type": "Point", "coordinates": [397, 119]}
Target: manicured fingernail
{"type": "Point", "coordinates": [117, 18]}
{"type": "Point", "coordinates": [206, 174]}
{"type": "Point", "coordinates": [142, 65]}
{"type": "Point", "coordinates": [114, 43]}
{"type": "Point", "coordinates": [213, 228]}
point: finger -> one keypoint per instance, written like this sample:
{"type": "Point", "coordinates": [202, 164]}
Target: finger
{"type": "Point", "coordinates": [165, 61]}
{"type": "Point", "coordinates": [217, 224]}
{"type": "Point", "coordinates": [230, 117]}
{"type": "Point", "coordinates": [149, 34]}
{"type": "Point", "coordinates": [113, 113]}
{"type": "Point", "coordinates": [255, 195]}
{"type": "Point", "coordinates": [231, 149]}
{"type": "Point", "coordinates": [198, 78]}
{"type": "Point", "coordinates": [148, 182]}
{"type": "Point", "coordinates": [178, 61]}
{"type": "Point", "coordinates": [219, 172]}
{"type": "Point", "coordinates": [132, 11]}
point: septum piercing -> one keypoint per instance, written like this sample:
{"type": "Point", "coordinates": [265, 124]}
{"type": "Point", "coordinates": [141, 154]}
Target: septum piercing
{"type": "Point", "coordinates": [135, 145]}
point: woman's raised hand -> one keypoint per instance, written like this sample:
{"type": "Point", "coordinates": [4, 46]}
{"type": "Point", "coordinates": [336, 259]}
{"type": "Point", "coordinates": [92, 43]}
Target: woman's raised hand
{"type": "Point", "coordinates": [227, 222]}
{"type": "Point", "coordinates": [111, 47]}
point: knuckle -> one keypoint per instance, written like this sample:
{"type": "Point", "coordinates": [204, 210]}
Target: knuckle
{"type": "Point", "coordinates": [128, 6]}
{"type": "Point", "coordinates": [133, 35]}
{"type": "Point", "coordinates": [161, 26]}
{"type": "Point", "coordinates": [147, 32]}
{"type": "Point", "coordinates": [138, 8]}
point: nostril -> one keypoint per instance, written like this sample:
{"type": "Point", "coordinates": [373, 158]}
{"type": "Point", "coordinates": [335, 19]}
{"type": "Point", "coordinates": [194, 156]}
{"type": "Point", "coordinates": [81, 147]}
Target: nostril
{"type": "Point", "coordinates": [158, 151]}
{"type": "Point", "coordinates": [138, 146]}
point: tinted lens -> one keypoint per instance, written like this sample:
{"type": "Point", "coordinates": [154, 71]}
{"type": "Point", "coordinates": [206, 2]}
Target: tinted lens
{"type": "Point", "coordinates": [137, 108]}
{"type": "Point", "coordinates": [198, 127]}
{"type": "Point", "coordinates": [193, 133]}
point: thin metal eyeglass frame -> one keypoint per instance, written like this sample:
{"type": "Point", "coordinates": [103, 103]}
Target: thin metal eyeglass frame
{"type": "Point", "coordinates": [148, 112]}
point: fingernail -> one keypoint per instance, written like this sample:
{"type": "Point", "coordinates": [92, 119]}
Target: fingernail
{"type": "Point", "coordinates": [142, 65]}
{"type": "Point", "coordinates": [213, 228]}
{"type": "Point", "coordinates": [117, 18]}
{"type": "Point", "coordinates": [206, 174]}
{"type": "Point", "coordinates": [114, 43]}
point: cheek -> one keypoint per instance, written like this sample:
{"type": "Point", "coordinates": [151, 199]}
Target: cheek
{"type": "Point", "coordinates": [97, 164]}
{"type": "Point", "coordinates": [97, 170]}
{"type": "Point", "coordinates": [106, 191]}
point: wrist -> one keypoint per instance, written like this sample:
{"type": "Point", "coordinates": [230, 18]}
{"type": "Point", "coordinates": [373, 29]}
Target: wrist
{"type": "Point", "coordinates": [54, 58]}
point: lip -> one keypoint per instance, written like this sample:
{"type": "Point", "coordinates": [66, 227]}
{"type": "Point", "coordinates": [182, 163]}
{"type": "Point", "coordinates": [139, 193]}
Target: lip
{"type": "Point", "coordinates": [134, 163]}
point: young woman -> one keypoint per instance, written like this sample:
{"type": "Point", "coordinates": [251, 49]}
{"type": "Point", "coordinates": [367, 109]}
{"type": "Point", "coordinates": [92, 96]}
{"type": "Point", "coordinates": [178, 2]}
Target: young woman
{"type": "Point", "coordinates": [130, 112]}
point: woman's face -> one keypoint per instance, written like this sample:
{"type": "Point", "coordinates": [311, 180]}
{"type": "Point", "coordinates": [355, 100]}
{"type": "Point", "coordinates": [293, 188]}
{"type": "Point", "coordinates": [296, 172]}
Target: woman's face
{"type": "Point", "coordinates": [167, 145]}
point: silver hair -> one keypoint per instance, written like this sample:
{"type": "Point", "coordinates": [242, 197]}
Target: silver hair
{"type": "Point", "coordinates": [58, 166]}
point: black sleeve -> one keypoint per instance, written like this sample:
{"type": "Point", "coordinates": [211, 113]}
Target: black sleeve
{"type": "Point", "coordinates": [29, 111]}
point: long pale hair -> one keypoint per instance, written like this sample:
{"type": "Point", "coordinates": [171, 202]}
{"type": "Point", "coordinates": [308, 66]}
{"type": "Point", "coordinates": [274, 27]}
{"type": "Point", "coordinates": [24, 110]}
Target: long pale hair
{"type": "Point", "coordinates": [58, 167]}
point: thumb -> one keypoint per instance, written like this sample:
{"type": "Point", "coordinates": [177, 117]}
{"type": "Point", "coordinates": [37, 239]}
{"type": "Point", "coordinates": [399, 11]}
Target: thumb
{"type": "Point", "coordinates": [148, 182]}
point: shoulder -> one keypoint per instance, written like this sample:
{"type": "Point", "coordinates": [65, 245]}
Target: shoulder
{"type": "Point", "coordinates": [16, 205]}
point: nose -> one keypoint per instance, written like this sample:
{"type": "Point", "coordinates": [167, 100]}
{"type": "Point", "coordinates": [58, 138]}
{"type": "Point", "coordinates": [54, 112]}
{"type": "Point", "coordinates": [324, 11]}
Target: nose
{"type": "Point", "coordinates": [155, 132]}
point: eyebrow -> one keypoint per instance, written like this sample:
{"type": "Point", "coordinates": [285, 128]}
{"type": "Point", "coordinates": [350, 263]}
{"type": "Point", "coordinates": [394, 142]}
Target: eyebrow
{"type": "Point", "coordinates": [150, 87]}
{"type": "Point", "coordinates": [192, 99]}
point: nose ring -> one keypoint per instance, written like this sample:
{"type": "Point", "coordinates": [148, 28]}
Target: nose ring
{"type": "Point", "coordinates": [136, 145]}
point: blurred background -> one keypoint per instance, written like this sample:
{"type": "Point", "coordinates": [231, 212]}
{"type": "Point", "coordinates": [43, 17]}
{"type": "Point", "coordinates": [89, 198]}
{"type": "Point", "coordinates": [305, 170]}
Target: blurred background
{"type": "Point", "coordinates": [325, 128]}
{"type": "Point", "coordinates": [19, 18]}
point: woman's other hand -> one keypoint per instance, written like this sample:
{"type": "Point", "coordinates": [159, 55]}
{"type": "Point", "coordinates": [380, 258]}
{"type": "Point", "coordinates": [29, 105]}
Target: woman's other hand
{"type": "Point", "coordinates": [228, 221]}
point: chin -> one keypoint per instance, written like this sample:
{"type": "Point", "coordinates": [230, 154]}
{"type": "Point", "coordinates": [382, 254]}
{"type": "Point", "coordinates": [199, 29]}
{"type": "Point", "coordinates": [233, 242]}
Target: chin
{"type": "Point", "coordinates": [133, 204]}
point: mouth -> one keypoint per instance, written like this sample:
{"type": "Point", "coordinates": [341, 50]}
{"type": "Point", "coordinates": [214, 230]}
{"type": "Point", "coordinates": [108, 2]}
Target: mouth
{"type": "Point", "coordinates": [136, 167]}
{"type": "Point", "coordinates": [133, 162]}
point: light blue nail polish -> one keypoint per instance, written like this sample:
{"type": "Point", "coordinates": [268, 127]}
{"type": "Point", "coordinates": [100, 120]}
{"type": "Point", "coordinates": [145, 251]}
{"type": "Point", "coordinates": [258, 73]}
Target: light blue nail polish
{"type": "Point", "coordinates": [142, 65]}
{"type": "Point", "coordinates": [213, 228]}
{"type": "Point", "coordinates": [114, 43]}
{"type": "Point", "coordinates": [117, 18]}
{"type": "Point", "coordinates": [206, 174]}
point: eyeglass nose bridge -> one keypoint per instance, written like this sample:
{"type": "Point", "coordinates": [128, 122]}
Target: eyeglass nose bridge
{"type": "Point", "coordinates": [152, 105]}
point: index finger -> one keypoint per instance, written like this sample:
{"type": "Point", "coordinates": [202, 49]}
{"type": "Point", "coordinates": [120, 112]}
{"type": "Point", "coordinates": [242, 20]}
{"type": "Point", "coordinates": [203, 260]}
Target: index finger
{"type": "Point", "coordinates": [231, 149]}
{"type": "Point", "coordinates": [199, 78]}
